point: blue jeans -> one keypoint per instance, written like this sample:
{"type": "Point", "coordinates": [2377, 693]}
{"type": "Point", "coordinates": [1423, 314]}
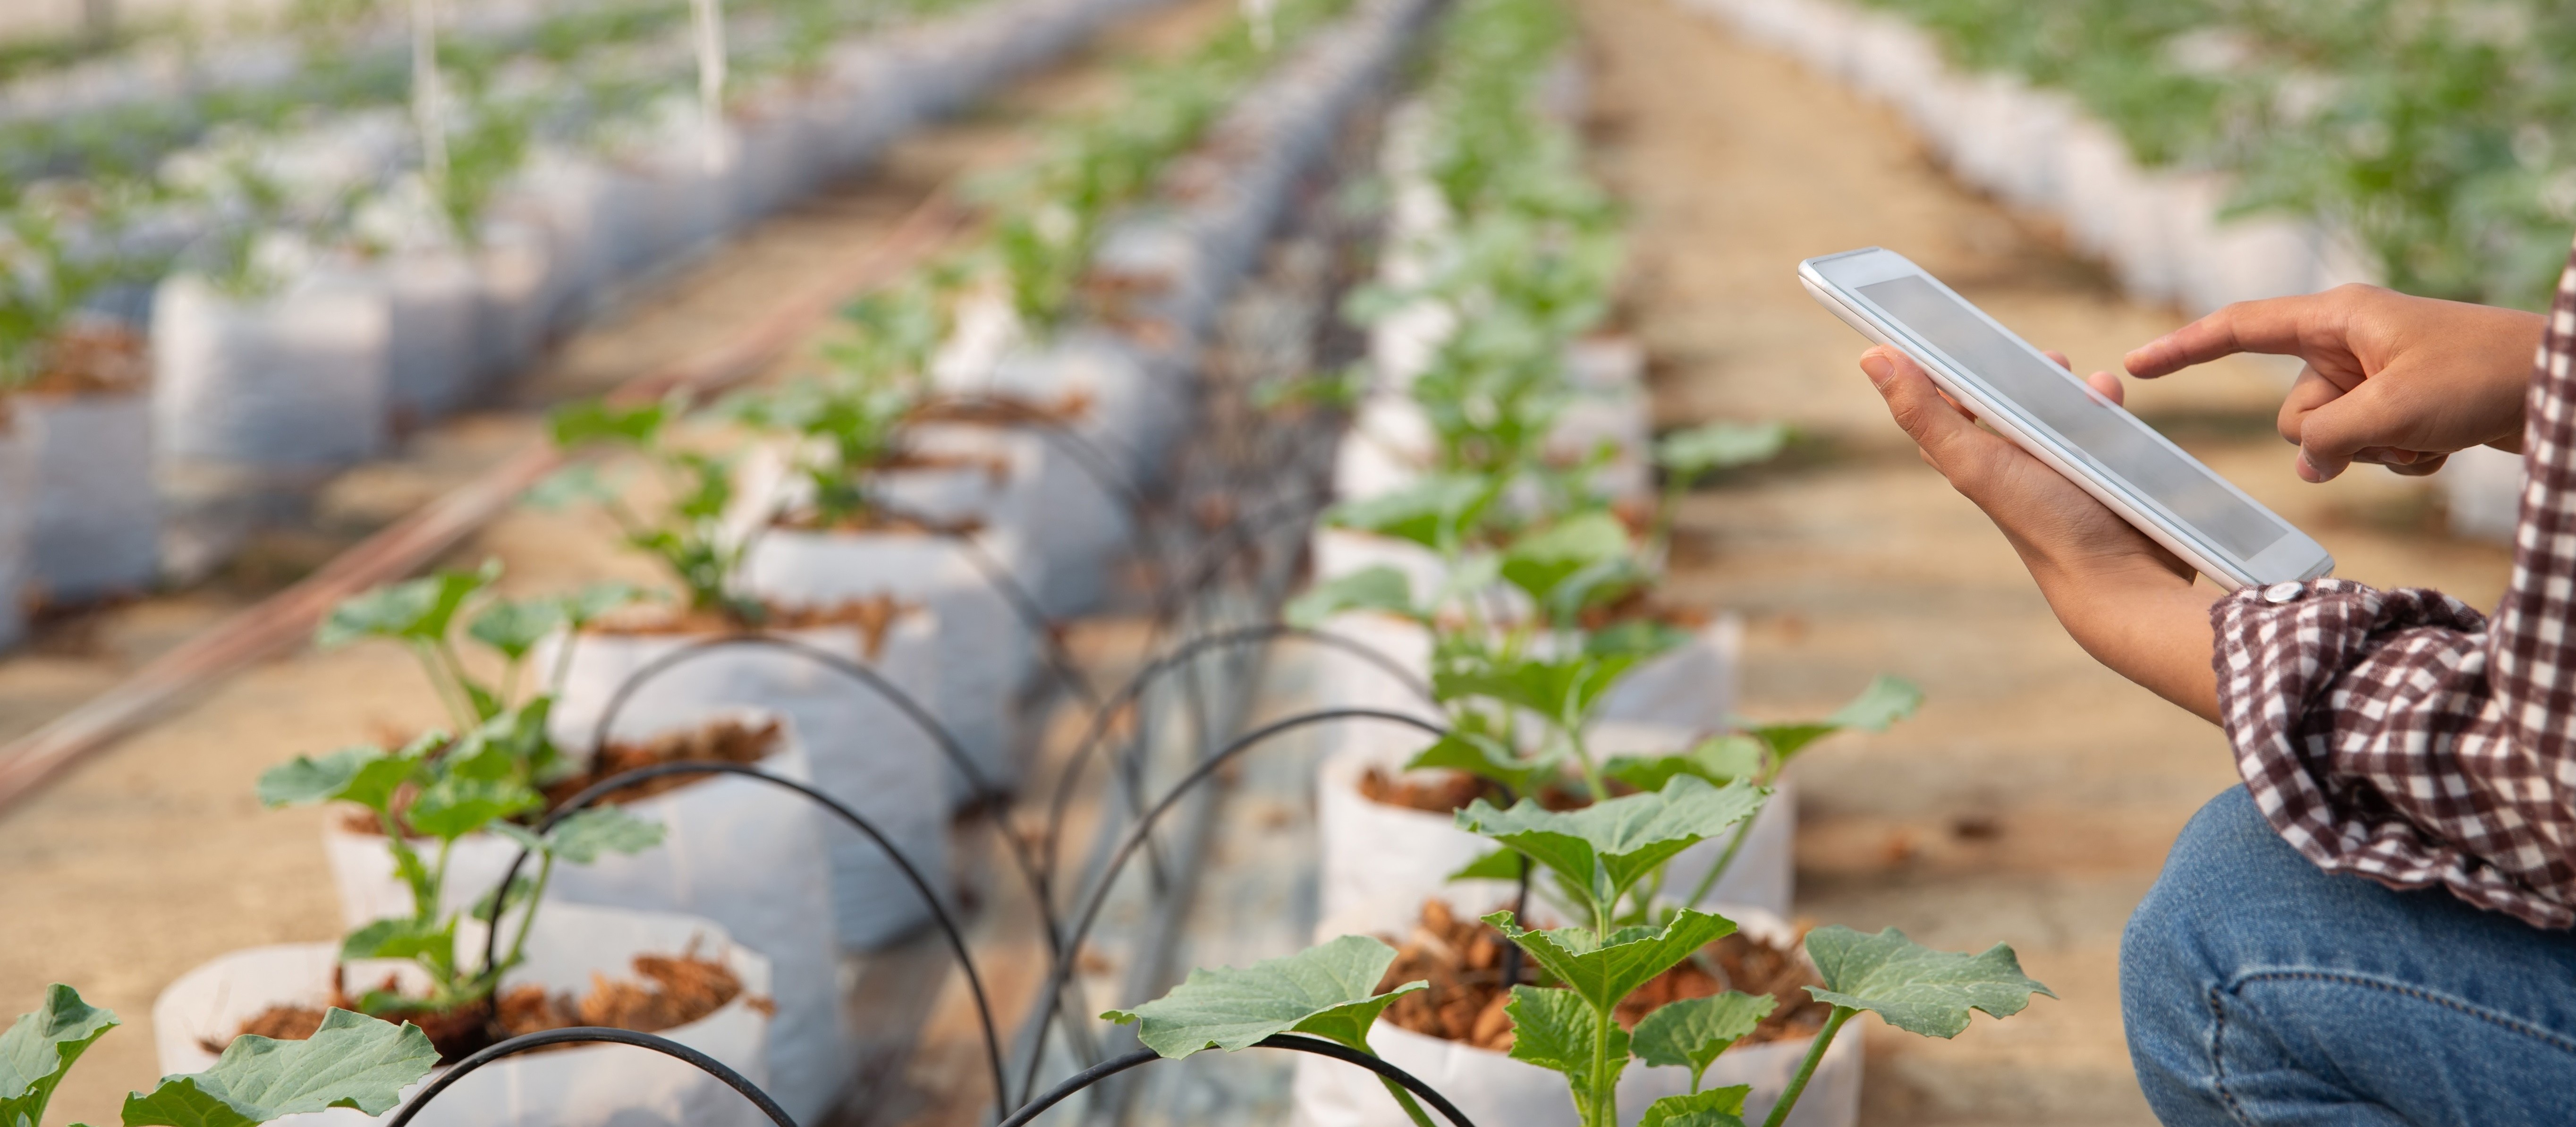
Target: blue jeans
{"type": "Point", "coordinates": [2259, 989]}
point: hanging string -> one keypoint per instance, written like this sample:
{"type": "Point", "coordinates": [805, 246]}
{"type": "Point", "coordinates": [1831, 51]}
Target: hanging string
{"type": "Point", "coordinates": [428, 95]}
{"type": "Point", "coordinates": [708, 16]}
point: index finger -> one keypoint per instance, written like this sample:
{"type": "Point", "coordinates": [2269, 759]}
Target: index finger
{"type": "Point", "coordinates": [2271, 325]}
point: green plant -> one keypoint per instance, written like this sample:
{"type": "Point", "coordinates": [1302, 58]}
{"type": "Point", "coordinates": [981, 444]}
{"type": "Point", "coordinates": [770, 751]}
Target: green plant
{"type": "Point", "coordinates": [445, 787]}
{"type": "Point", "coordinates": [689, 536]}
{"type": "Point", "coordinates": [351, 1061]}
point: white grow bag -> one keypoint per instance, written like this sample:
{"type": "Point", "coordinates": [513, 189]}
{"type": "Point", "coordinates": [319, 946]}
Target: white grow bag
{"type": "Point", "coordinates": [1490, 1087]}
{"type": "Point", "coordinates": [865, 753]}
{"type": "Point", "coordinates": [97, 527]}
{"type": "Point", "coordinates": [1379, 858]}
{"type": "Point", "coordinates": [434, 342]}
{"type": "Point", "coordinates": [21, 445]}
{"type": "Point", "coordinates": [292, 384]}
{"type": "Point", "coordinates": [983, 650]}
{"type": "Point", "coordinates": [744, 854]}
{"type": "Point", "coordinates": [1069, 530]}
{"type": "Point", "coordinates": [588, 1086]}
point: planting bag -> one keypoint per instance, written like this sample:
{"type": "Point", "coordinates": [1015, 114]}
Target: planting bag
{"type": "Point", "coordinates": [1691, 687]}
{"type": "Point", "coordinates": [97, 517]}
{"type": "Point", "coordinates": [1490, 1087]}
{"type": "Point", "coordinates": [865, 752]}
{"type": "Point", "coordinates": [292, 384]}
{"type": "Point", "coordinates": [587, 1086]}
{"type": "Point", "coordinates": [21, 447]}
{"type": "Point", "coordinates": [1068, 526]}
{"type": "Point", "coordinates": [516, 287]}
{"type": "Point", "coordinates": [742, 853]}
{"type": "Point", "coordinates": [1343, 679]}
{"type": "Point", "coordinates": [984, 649]}
{"type": "Point", "coordinates": [434, 343]}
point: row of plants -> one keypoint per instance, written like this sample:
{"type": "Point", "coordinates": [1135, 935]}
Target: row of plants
{"type": "Point", "coordinates": [2435, 133]}
{"type": "Point", "coordinates": [630, 827]}
{"type": "Point", "coordinates": [1583, 909]}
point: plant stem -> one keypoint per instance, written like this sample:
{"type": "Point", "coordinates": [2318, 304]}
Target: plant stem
{"type": "Point", "coordinates": [1725, 861]}
{"type": "Point", "coordinates": [458, 710]}
{"type": "Point", "coordinates": [1592, 779]}
{"type": "Point", "coordinates": [1807, 1068]}
{"type": "Point", "coordinates": [1404, 1099]}
{"type": "Point", "coordinates": [1604, 1111]}
{"type": "Point", "coordinates": [519, 946]}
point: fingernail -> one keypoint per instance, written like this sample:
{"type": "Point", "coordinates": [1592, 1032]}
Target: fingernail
{"type": "Point", "coordinates": [2309, 469]}
{"type": "Point", "coordinates": [1876, 367]}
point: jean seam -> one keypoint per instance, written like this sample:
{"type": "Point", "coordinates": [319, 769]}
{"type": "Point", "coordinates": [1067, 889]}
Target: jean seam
{"type": "Point", "coordinates": [2218, 1058]}
{"type": "Point", "coordinates": [2558, 1041]}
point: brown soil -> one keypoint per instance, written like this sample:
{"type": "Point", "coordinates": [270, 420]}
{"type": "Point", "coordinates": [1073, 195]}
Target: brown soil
{"type": "Point", "coordinates": [673, 990]}
{"type": "Point", "coordinates": [1440, 792]}
{"type": "Point", "coordinates": [93, 360]}
{"type": "Point", "coordinates": [872, 616]}
{"type": "Point", "coordinates": [1462, 959]}
{"type": "Point", "coordinates": [722, 741]}
{"type": "Point", "coordinates": [1003, 410]}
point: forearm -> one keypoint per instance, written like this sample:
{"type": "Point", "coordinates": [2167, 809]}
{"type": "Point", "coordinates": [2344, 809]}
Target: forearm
{"type": "Point", "coordinates": [2145, 623]}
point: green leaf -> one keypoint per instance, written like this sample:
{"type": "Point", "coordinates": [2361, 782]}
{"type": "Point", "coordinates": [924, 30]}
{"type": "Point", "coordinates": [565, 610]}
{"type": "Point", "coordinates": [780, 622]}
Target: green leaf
{"type": "Point", "coordinates": [39, 1049]}
{"type": "Point", "coordinates": [1602, 850]}
{"type": "Point", "coordinates": [1886, 701]}
{"type": "Point", "coordinates": [402, 938]}
{"type": "Point", "coordinates": [1379, 588]}
{"type": "Point", "coordinates": [367, 776]}
{"type": "Point", "coordinates": [1327, 990]}
{"type": "Point", "coordinates": [415, 610]}
{"type": "Point", "coordinates": [1718, 759]}
{"type": "Point", "coordinates": [351, 1061]}
{"type": "Point", "coordinates": [1481, 755]}
{"type": "Point", "coordinates": [1434, 512]}
{"type": "Point", "coordinates": [1691, 1033]}
{"type": "Point", "coordinates": [594, 420]}
{"type": "Point", "coordinates": [514, 626]}
{"type": "Point", "coordinates": [1602, 973]}
{"type": "Point", "coordinates": [586, 835]}
{"type": "Point", "coordinates": [1559, 690]}
{"type": "Point", "coordinates": [1501, 864]}
{"type": "Point", "coordinates": [1539, 562]}
{"type": "Point", "coordinates": [1717, 1107]}
{"type": "Point", "coordinates": [1688, 454]}
{"type": "Point", "coordinates": [570, 486]}
{"type": "Point", "coordinates": [456, 806]}
{"type": "Point", "coordinates": [1556, 1030]}
{"type": "Point", "coordinates": [1916, 988]}
{"type": "Point", "coordinates": [588, 605]}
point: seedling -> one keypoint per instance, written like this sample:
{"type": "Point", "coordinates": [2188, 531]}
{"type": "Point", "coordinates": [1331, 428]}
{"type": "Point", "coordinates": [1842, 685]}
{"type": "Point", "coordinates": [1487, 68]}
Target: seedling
{"type": "Point", "coordinates": [351, 1061]}
{"type": "Point", "coordinates": [688, 534]}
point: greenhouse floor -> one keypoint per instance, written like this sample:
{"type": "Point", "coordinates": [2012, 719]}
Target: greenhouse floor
{"type": "Point", "coordinates": [2034, 796]}
{"type": "Point", "coordinates": [2031, 801]}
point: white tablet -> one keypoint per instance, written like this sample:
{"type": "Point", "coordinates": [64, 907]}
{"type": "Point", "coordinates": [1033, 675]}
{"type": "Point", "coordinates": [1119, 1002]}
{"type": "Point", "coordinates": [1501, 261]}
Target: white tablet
{"type": "Point", "coordinates": [2049, 411]}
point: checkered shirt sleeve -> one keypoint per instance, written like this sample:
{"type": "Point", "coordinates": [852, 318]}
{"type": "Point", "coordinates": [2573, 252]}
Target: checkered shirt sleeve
{"type": "Point", "coordinates": [2405, 737]}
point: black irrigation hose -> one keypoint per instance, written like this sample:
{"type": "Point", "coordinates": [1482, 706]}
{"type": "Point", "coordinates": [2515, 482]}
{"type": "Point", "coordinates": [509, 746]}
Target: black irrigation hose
{"type": "Point", "coordinates": [591, 795]}
{"type": "Point", "coordinates": [581, 1034]}
{"type": "Point", "coordinates": [1135, 688]}
{"type": "Point", "coordinates": [1029, 1112]}
{"type": "Point", "coordinates": [1059, 973]}
{"type": "Point", "coordinates": [984, 790]}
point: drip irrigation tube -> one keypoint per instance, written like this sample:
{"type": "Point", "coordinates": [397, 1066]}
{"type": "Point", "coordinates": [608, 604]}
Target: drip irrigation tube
{"type": "Point", "coordinates": [588, 1034]}
{"type": "Point", "coordinates": [591, 795]}
{"type": "Point", "coordinates": [1029, 1112]}
{"type": "Point", "coordinates": [1058, 974]}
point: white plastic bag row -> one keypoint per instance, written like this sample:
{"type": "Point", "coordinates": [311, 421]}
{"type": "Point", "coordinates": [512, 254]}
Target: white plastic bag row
{"type": "Point", "coordinates": [587, 1086]}
{"type": "Point", "coordinates": [2158, 228]}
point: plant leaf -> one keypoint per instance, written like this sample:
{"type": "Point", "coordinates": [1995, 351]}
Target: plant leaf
{"type": "Point", "coordinates": [364, 775]}
{"type": "Point", "coordinates": [1886, 701]}
{"type": "Point", "coordinates": [1605, 848]}
{"type": "Point", "coordinates": [1916, 988]}
{"type": "Point", "coordinates": [413, 610]}
{"type": "Point", "coordinates": [1691, 1033]}
{"type": "Point", "coordinates": [1482, 755]}
{"type": "Point", "coordinates": [1688, 454]}
{"type": "Point", "coordinates": [586, 835]}
{"type": "Point", "coordinates": [515, 626]}
{"type": "Point", "coordinates": [402, 937]}
{"type": "Point", "coordinates": [1555, 1030]}
{"type": "Point", "coordinates": [1501, 864]}
{"type": "Point", "coordinates": [1539, 562]}
{"type": "Point", "coordinates": [40, 1047]}
{"type": "Point", "coordinates": [1716, 1107]}
{"type": "Point", "coordinates": [456, 806]}
{"type": "Point", "coordinates": [1379, 588]}
{"type": "Point", "coordinates": [1602, 973]}
{"type": "Point", "coordinates": [575, 484]}
{"type": "Point", "coordinates": [594, 420]}
{"type": "Point", "coordinates": [1434, 512]}
{"type": "Point", "coordinates": [1718, 759]}
{"type": "Point", "coordinates": [351, 1061]}
{"type": "Point", "coordinates": [1328, 990]}
{"type": "Point", "coordinates": [585, 606]}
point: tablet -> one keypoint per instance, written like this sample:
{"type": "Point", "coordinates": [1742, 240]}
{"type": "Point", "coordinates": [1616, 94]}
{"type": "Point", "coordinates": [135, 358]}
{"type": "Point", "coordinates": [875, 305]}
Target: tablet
{"type": "Point", "coordinates": [2049, 411]}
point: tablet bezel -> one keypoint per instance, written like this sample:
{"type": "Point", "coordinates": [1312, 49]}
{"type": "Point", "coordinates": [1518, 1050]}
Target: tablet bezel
{"type": "Point", "coordinates": [1835, 281]}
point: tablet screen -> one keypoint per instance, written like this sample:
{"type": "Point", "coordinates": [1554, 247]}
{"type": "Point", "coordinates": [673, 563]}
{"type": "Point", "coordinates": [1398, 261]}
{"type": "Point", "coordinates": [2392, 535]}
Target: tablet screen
{"type": "Point", "coordinates": [2113, 439]}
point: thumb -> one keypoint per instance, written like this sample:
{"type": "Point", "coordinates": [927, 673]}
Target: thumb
{"type": "Point", "coordinates": [1943, 431]}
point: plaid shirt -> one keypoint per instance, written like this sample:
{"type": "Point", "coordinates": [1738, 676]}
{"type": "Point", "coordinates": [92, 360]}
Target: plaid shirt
{"type": "Point", "coordinates": [2405, 737]}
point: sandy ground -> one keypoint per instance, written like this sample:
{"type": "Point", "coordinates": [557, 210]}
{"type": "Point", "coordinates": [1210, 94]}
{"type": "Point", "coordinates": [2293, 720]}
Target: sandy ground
{"type": "Point", "coordinates": [2034, 797]}
{"type": "Point", "coordinates": [153, 856]}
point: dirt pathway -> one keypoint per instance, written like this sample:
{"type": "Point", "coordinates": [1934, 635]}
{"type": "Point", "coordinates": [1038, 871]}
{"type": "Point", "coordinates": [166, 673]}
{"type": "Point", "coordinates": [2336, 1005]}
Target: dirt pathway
{"type": "Point", "coordinates": [2033, 799]}
{"type": "Point", "coordinates": [153, 856]}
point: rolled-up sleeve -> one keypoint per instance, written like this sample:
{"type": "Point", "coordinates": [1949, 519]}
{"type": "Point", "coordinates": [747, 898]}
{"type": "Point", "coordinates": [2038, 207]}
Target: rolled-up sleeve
{"type": "Point", "coordinates": [2402, 736]}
